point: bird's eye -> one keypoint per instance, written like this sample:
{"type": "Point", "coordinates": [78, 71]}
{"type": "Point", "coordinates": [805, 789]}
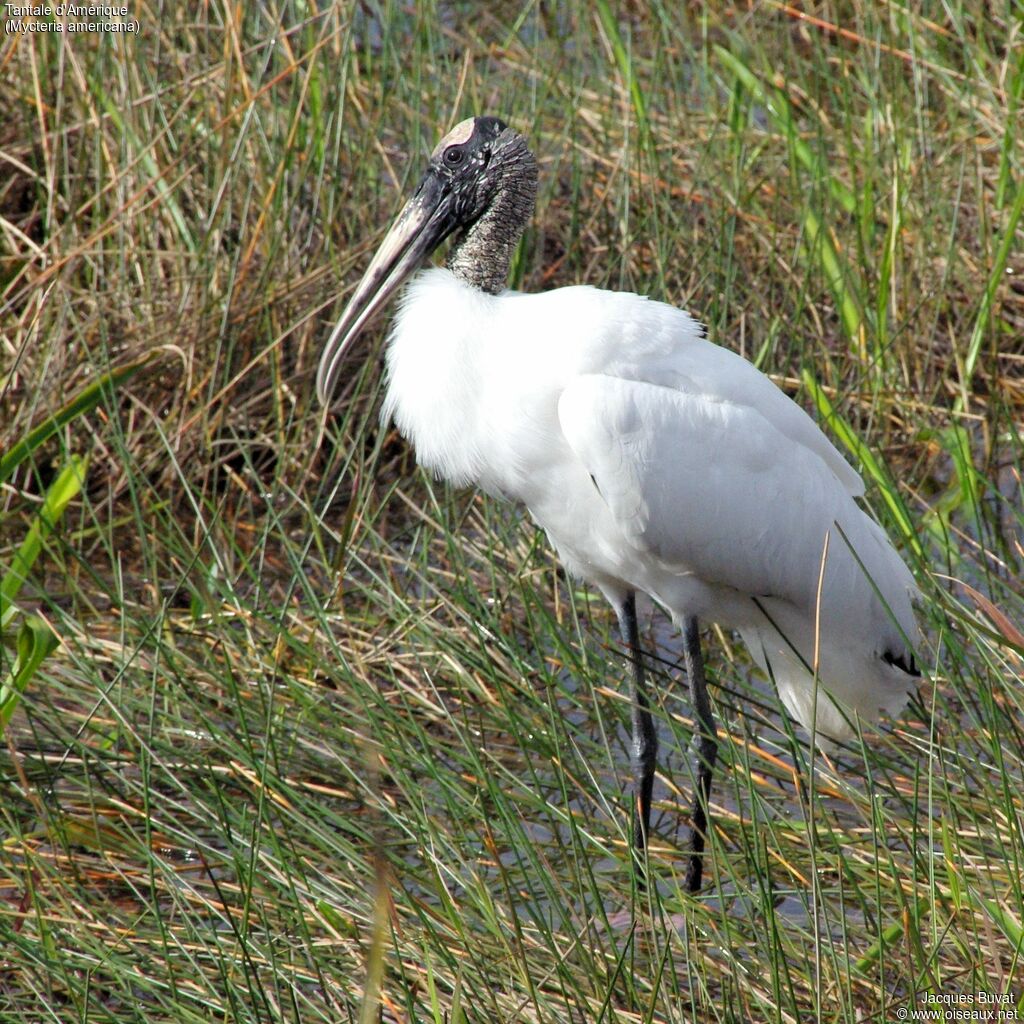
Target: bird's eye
{"type": "Point", "coordinates": [453, 156]}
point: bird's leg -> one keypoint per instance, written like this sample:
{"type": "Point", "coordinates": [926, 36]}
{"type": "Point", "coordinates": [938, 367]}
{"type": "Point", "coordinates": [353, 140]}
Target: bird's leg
{"type": "Point", "coordinates": [707, 749]}
{"type": "Point", "coordinates": [645, 738]}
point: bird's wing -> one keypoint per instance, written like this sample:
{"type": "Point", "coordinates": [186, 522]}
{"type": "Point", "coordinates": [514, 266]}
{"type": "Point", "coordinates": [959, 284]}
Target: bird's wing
{"type": "Point", "coordinates": [725, 374]}
{"type": "Point", "coordinates": [704, 485]}
{"type": "Point", "coordinates": [638, 339]}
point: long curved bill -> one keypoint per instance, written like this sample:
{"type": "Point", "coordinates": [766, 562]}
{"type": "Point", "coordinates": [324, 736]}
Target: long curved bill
{"type": "Point", "coordinates": [424, 223]}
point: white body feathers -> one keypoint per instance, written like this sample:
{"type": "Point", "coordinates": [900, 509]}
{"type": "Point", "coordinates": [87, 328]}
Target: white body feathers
{"type": "Point", "coordinates": [658, 461]}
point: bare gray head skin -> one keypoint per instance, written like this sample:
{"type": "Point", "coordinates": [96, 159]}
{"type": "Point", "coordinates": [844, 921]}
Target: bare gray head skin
{"type": "Point", "coordinates": [480, 185]}
{"type": "Point", "coordinates": [495, 174]}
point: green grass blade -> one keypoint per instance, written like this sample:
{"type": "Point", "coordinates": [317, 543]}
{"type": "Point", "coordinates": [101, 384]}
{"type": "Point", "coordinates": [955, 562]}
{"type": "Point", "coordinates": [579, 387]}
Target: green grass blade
{"type": "Point", "coordinates": [996, 276]}
{"type": "Point", "coordinates": [871, 465]}
{"type": "Point", "coordinates": [35, 641]}
{"type": "Point", "coordinates": [777, 104]}
{"type": "Point", "coordinates": [626, 69]}
{"type": "Point", "coordinates": [157, 177]}
{"type": "Point", "coordinates": [67, 484]}
{"type": "Point", "coordinates": [85, 401]}
{"type": "Point", "coordinates": [889, 938]}
{"type": "Point", "coordinates": [819, 245]}
{"type": "Point", "coordinates": [1003, 917]}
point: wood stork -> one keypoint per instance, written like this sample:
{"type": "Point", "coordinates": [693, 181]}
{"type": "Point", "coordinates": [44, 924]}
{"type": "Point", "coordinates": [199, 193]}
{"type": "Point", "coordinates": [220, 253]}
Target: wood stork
{"type": "Point", "coordinates": [655, 460]}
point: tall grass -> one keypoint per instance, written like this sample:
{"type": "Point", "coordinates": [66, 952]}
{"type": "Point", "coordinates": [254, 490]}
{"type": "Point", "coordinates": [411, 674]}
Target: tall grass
{"type": "Point", "coordinates": [325, 740]}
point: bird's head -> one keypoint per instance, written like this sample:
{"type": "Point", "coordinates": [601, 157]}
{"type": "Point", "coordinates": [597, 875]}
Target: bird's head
{"type": "Point", "coordinates": [478, 161]}
{"type": "Point", "coordinates": [467, 164]}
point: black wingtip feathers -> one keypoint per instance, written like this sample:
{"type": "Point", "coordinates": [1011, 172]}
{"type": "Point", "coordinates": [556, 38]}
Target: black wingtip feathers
{"type": "Point", "coordinates": [904, 661]}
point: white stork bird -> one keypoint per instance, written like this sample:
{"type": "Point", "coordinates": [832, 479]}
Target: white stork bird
{"type": "Point", "coordinates": [654, 460]}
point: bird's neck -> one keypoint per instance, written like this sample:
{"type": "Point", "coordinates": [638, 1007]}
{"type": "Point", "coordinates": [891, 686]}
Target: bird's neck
{"type": "Point", "coordinates": [482, 254]}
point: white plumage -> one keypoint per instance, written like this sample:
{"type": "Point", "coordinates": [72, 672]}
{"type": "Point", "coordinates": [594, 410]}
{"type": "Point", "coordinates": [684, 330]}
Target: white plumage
{"type": "Point", "coordinates": [660, 462]}
{"type": "Point", "coordinates": [655, 460]}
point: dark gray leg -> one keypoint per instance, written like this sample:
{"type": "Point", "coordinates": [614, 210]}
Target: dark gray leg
{"type": "Point", "coordinates": [707, 750]}
{"type": "Point", "coordinates": [645, 738]}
